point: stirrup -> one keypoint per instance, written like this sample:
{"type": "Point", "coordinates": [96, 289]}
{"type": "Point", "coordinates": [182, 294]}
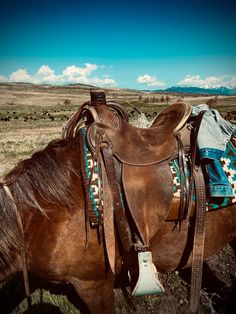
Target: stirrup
{"type": "Point", "coordinates": [148, 282]}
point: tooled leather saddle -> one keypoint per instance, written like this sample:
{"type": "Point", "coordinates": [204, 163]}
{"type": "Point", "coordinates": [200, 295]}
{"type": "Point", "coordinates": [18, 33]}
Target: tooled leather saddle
{"type": "Point", "coordinates": [134, 161]}
{"type": "Point", "coordinates": [133, 149]}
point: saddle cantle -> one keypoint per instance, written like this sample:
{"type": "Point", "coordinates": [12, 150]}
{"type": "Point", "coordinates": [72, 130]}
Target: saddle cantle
{"type": "Point", "coordinates": [140, 146]}
{"type": "Point", "coordinates": [172, 118]}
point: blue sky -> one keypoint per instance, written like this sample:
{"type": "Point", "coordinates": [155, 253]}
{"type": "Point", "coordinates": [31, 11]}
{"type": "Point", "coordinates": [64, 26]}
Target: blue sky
{"type": "Point", "coordinates": [133, 44]}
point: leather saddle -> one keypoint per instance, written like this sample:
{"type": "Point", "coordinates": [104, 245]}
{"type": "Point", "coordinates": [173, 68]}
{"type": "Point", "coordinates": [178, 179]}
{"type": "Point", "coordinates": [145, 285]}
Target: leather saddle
{"type": "Point", "coordinates": [144, 175]}
{"type": "Point", "coordinates": [143, 155]}
{"type": "Point", "coordinates": [140, 146]}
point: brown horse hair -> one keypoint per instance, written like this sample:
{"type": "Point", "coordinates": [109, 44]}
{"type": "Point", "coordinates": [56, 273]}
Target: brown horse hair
{"type": "Point", "coordinates": [42, 177]}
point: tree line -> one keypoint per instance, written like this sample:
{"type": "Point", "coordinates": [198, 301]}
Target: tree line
{"type": "Point", "coordinates": [153, 99]}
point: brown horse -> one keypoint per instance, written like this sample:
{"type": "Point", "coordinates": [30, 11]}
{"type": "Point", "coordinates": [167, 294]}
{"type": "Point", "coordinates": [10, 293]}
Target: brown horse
{"type": "Point", "coordinates": [48, 194]}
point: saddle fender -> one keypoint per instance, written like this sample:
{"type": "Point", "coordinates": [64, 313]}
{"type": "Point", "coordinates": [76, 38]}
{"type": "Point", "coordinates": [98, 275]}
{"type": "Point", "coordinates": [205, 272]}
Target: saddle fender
{"type": "Point", "coordinates": [148, 192]}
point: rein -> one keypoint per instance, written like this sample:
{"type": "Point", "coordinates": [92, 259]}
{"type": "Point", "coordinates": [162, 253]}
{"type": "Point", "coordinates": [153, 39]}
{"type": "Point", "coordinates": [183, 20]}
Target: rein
{"type": "Point", "coordinates": [23, 248]}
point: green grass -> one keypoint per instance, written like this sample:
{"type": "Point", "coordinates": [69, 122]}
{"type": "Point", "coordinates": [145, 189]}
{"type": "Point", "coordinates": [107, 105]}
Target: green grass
{"type": "Point", "coordinates": [12, 298]}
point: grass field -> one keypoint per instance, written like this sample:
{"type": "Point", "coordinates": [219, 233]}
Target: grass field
{"type": "Point", "coordinates": [30, 117]}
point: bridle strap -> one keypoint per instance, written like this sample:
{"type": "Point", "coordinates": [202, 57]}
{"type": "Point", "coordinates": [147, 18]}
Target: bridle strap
{"type": "Point", "coordinates": [23, 249]}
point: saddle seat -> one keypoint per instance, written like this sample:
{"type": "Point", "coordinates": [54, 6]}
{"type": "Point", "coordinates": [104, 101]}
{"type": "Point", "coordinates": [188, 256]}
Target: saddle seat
{"type": "Point", "coordinates": [140, 146]}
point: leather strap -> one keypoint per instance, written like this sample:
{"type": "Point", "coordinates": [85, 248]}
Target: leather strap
{"type": "Point", "coordinates": [199, 239]}
{"type": "Point", "coordinates": [193, 153]}
{"type": "Point", "coordinates": [196, 176]}
{"type": "Point", "coordinates": [108, 220]}
{"type": "Point", "coordinates": [23, 249]}
{"type": "Point", "coordinates": [184, 181]}
{"type": "Point", "coordinates": [119, 211]}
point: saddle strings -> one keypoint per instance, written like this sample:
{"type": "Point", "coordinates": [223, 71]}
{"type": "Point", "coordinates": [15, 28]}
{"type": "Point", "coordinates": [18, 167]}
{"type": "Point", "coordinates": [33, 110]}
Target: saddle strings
{"type": "Point", "coordinates": [184, 181]}
{"type": "Point", "coordinates": [193, 154]}
{"type": "Point", "coordinates": [187, 182]}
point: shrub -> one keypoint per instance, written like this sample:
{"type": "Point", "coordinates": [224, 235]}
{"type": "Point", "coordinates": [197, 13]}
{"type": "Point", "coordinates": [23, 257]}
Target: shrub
{"type": "Point", "coordinates": [67, 101]}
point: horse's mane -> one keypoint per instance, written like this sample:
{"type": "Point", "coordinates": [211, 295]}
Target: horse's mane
{"type": "Point", "coordinates": [46, 176]}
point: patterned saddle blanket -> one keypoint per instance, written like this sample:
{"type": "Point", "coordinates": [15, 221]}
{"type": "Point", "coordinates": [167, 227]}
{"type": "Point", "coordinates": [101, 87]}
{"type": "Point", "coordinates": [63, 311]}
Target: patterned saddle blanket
{"type": "Point", "coordinates": [228, 162]}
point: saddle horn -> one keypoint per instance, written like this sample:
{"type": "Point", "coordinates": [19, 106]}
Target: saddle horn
{"type": "Point", "coordinates": [97, 97]}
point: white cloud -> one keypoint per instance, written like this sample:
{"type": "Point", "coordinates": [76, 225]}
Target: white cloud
{"type": "Point", "coordinates": [149, 80]}
{"type": "Point", "coordinates": [232, 82]}
{"type": "Point", "coordinates": [103, 66]}
{"type": "Point", "coordinates": [105, 81]}
{"type": "Point", "coordinates": [73, 71]}
{"type": "Point", "coordinates": [45, 71]}
{"type": "Point", "coordinates": [209, 82]}
{"type": "Point", "coordinates": [45, 75]}
{"type": "Point", "coordinates": [3, 78]}
{"type": "Point", "coordinates": [71, 74]}
{"type": "Point", "coordinates": [20, 75]}
{"type": "Point", "coordinates": [93, 81]}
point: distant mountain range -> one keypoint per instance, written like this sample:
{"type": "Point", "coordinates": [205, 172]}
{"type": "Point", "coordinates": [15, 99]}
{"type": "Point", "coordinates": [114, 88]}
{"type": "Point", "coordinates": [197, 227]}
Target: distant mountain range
{"type": "Point", "coordinates": [174, 89]}
{"type": "Point", "coordinates": [198, 90]}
